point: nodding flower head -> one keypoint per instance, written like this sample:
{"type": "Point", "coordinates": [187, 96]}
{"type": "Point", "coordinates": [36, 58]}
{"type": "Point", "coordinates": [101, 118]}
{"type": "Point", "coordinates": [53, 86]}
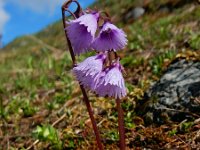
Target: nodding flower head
{"type": "Point", "coordinates": [111, 82]}
{"type": "Point", "coordinates": [88, 70]}
{"type": "Point", "coordinates": [110, 38]}
{"type": "Point", "coordinates": [81, 32]}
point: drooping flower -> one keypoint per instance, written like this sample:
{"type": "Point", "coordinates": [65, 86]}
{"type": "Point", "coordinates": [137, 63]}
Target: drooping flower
{"type": "Point", "coordinates": [111, 82]}
{"type": "Point", "coordinates": [89, 69]}
{"type": "Point", "coordinates": [81, 32]}
{"type": "Point", "coordinates": [110, 38]}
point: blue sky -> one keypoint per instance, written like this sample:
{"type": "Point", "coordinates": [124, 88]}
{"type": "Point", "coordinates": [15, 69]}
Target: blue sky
{"type": "Point", "coordinates": [19, 17]}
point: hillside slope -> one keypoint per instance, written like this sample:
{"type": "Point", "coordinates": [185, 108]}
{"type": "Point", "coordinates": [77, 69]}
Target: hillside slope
{"type": "Point", "coordinates": [40, 99]}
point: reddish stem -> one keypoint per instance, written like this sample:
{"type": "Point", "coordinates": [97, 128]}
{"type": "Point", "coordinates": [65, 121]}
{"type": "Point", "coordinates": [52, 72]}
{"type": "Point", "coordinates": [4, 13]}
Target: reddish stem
{"type": "Point", "coordinates": [85, 97]}
{"type": "Point", "coordinates": [68, 41]}
{"type": "Point", "coordinates": [121, 125]}
{"type": "Point", "coordinates": [91, 114]}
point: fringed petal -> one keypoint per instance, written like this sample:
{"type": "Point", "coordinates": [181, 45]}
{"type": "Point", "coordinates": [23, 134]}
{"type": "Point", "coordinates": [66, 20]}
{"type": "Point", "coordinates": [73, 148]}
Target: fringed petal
{"type": "Point", "coordinates": [81, 32]}
{"type": "Point", "coordinates": [110, 37]}
{"type": "Point", "coordinates": [87, 71]}
{"type": "Point", "coordinates": [111, 83]}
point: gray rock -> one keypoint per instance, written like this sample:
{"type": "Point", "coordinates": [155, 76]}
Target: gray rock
{"type": "Point", "coordinates": [172, 98]}
{"type": "Point", "coordinates": [135, 13]}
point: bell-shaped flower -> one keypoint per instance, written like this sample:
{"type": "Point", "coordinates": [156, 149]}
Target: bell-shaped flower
{"type": "Point", "coordinates": [81, 32]}
{"type": "Point", "coordinates": [110, 38]}
{"type": "Point", "coordinates": [111, 82]}
{"type": "Point", "coordinates": [89, 69]}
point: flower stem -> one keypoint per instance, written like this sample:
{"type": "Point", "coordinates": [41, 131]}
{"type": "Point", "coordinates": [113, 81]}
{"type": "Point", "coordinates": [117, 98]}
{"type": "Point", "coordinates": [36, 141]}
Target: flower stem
{"type": "Point", "coordinates": [89, 108]}
{"type": "Point", "coordinates": [121, 124]}
{"type": "Point", "coordinates": [85, 97]}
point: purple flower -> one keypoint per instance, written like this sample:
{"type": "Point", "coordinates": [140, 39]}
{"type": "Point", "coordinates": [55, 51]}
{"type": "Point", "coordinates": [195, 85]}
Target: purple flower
{"type": "Point", "coordinates": [88, 70]}
{"type": "Point", "coordinates": [81, 32]}
{"type": "Point", "coordinates": [110, 37]}
{"type": "Point", "coordinates": [111, 82]}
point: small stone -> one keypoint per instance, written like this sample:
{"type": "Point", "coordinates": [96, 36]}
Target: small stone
{"type": "Point", "coordinates": [135, 13]}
